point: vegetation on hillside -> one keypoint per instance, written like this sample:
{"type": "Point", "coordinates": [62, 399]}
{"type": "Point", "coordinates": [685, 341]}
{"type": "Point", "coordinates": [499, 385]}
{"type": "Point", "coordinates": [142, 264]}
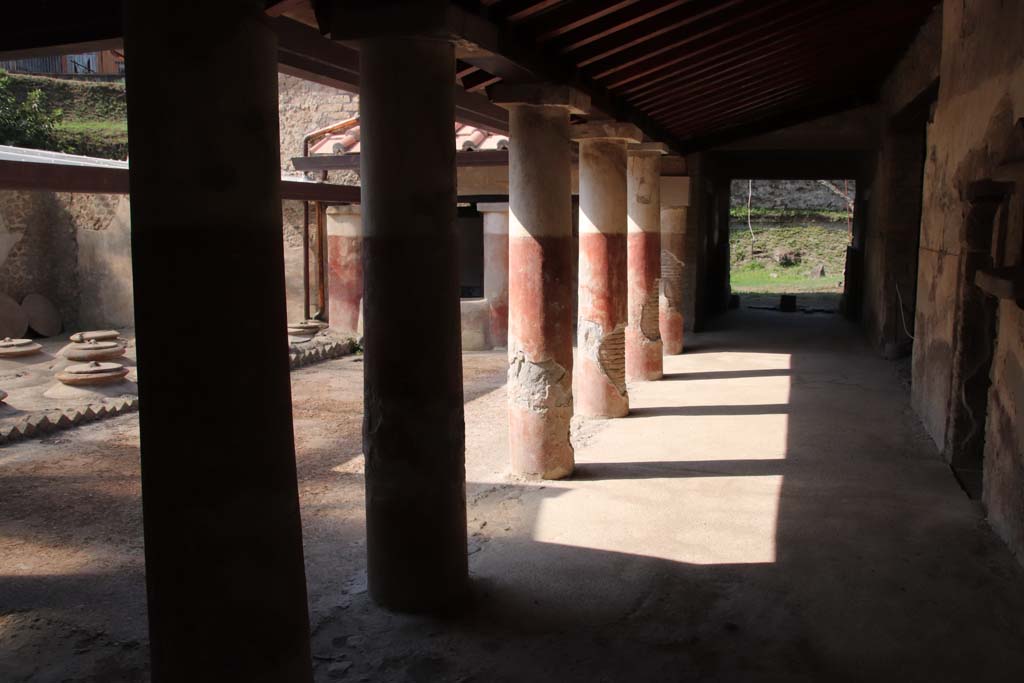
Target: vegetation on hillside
{"type": "Point", "coordinates": [61, 115]}
{"type": "Point", "coordinates": [788, 259]}
{"type": "Point", "coordinates": [27, 121]}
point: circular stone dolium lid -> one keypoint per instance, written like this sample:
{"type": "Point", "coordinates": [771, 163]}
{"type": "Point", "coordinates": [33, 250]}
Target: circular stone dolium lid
{"type": "Point", "coordinates": [92, 368]}
{"type": "Point", "coordinates": [7, 342]}
{"type": "Point", "coordinates": [93, 345]}
{"type": "Point", "coordinates": [97, 335]}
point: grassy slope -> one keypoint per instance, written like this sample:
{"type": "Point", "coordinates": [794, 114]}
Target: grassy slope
{"type": "Point", "coordinates": [95, 118]}
{"type": "Point", "coordinates": [818, 244]}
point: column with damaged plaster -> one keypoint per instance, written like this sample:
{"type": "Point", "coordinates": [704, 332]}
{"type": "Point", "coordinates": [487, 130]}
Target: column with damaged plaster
{"type": "Point", "coordinates": [643, 334]}
{"type": "Point", "coordinates": [599, 384]}
{"type": "Point", "coordinates": [345, 268]}
{"type": "Point", "coordinates": [496, 270]}
{"type": "Point", "coordinates": [540, 278]}
{"type": "Point", "coordinates": [413, 429]}
{"type": "Point", "coordinates": [674, 267]}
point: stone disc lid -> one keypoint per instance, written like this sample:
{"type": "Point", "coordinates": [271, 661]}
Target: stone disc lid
{"type": "Point", "coordinates": [98, 335]}
{"type": "Point", "coordinates": [94, 345]}
{"type": "Point", "coordinates": [93, 368]}
{"type": "Point", "coordinates": [9, 343]}
{"type": "Point", "coordinates": [306, 327]}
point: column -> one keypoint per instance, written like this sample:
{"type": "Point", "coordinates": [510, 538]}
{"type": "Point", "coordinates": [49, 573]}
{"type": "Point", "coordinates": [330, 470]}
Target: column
{"type": "Point", "coordinates": [643, 334]}
{"type": "Point", "coordinates": [413, 431]}
{"type": "Point", "coordinates": [345, 268]}
{"type": "Point", "coordinates": [496, 270]}
{"type": "Point", "coordinates": [540, 276]}
{"type": "Point", "coordinates": [225, 578]}
{"type": "Point", "coordinates": [677, 256]}
{"type": "Point", "coordinates": [600, 380]}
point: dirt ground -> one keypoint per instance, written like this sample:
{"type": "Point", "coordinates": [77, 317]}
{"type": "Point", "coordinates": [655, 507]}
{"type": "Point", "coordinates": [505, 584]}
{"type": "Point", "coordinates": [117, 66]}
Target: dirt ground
{"type": "Point", "coordinates": [72, 594]}
{"type": "Point", "coordinates": [771, 510]}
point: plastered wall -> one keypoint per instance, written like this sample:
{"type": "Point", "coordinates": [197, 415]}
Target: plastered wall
{"type": "Point", "coordinates": [980, 100]}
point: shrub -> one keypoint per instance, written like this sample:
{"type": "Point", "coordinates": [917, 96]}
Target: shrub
{"type": "Point", "coordinates": [28, 123]}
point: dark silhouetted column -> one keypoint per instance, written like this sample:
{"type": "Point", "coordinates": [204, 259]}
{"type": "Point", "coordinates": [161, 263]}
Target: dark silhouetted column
{"type": "Point", "coordinates": [413, 431]}
{"type": "Point", "coordinates": [224, 568]}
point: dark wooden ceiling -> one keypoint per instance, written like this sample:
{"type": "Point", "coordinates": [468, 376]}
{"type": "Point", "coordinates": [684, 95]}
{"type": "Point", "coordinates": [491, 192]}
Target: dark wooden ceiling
{"type": "Point", "coordinates": [691, 73]}
{"type": "Point", "coordinates": [708, 71]}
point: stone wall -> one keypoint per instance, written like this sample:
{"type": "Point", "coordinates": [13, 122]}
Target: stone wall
{"type": "Point", "coordinates": [893, 195]}
{"type": "Point", "coordinates": [809, 195]}
{"type": "Point", "coordinates": [305, 106]}
{"type": "Point", "coordinates": [975, 128]}
{"type": "Point", "coordinates": [73, 249]}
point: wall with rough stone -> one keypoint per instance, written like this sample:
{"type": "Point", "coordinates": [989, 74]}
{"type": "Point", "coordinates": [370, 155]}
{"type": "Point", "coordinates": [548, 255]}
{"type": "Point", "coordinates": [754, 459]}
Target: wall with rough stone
{"type": "Point", "coordinates": [975, 129]}
{"type": "Point", "coordinates": [73, 249]}
{"type": "Point", "coordinates": [305, 106]}
{"type": "Point", "coordinates": [809, 195]}
{"type": "Point", "coordinates": [893, 195]}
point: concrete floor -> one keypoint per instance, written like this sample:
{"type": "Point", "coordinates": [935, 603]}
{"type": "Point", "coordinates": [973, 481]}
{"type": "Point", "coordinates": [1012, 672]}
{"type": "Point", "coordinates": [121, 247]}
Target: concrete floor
{"type": "Point", "coordinates": [770, 511]}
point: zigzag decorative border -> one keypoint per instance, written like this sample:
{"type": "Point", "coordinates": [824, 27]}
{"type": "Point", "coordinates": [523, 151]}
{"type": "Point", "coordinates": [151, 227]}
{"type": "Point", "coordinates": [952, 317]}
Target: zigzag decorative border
{"type": "Point", "coordinates": [41, 424]}
{"type": "Point", "coordinates": [320, 352]}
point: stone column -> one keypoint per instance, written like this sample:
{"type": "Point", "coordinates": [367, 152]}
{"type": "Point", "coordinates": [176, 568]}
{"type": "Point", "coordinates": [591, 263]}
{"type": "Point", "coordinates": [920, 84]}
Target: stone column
{"type": "Point", "coordinates": [677, 254]}
{"type": "Point", "coordinates": [599, 384]}
{"type": "Point", "coordinates": [225, 580]}
{"type": "Point", "coordinates": [496, 270]}
{"type": "Point", "coordinates": [540, 277]}
{"type": "Point", "coordinates": [413, 431]}
{"type": "Point", "coordinates": [345, 268]}
{"type": "Point", "coordinates": [643, 334]}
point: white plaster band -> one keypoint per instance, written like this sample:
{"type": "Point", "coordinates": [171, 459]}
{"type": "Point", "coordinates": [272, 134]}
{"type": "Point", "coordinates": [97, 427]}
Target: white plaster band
{"type": "Point", "coordinates": [644, 192]}
{"type": "Point", "coordinates": [344, 224]}
{"type": "Point", "coordinates": [673, 220]}
{"type": "Point", "coordinates": [675, 191]}
{"type": "Point", "coordinates": [603, 187]}
{"type": "Point", "coordinates": [496, 223]}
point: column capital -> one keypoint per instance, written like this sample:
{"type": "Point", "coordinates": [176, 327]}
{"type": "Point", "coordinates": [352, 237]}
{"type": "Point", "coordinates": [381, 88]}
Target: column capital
{"type": "Point", "coordinates": [539, 95]}
{"type": "Point", "coordinates": [659, 148]}
{"type": "Point", "coordinates": [492, 207]}
{"type": "Point", "coordinates": [606, 130]}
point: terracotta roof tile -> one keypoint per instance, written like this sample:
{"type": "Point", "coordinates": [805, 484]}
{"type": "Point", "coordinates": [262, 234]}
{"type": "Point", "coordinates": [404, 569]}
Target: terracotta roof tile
{"type": "Point", "coordinates": [467, 139]}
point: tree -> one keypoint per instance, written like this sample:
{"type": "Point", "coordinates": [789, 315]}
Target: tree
{"type": "Point", "coordinates": [28, 123]}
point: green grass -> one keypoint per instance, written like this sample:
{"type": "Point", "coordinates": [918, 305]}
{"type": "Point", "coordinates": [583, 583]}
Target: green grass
{"type": "Point", "coordinates": [94, 127]}
{"type": "Point", "coordinates": [95, 137]}
{"type": "Point", "coordinates": [817, 245]}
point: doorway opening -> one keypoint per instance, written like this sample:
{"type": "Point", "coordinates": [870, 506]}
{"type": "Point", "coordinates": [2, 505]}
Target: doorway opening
{"type": "Point", "coordinates": [788, 242]}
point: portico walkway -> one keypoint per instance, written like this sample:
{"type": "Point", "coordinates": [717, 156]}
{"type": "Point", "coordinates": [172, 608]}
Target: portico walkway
{"type": "Point", "coordinates": [769, 511]}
